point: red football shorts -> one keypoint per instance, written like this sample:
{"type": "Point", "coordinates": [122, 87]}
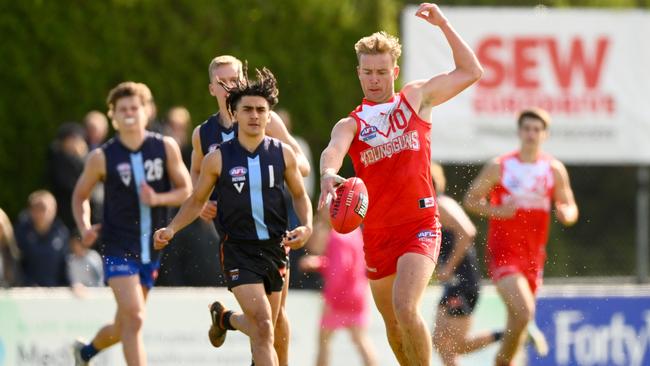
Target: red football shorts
{"type": "Point", "coordinates": [383, 247]}
{"type": "Point", "coordinates": [527, 260]}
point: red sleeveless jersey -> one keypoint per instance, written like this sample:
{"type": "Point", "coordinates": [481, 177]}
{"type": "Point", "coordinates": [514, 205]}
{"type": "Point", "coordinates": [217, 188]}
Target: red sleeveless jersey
{"type": "Point", "coordinates": [391, 153]}
{"type": "Point", "coordinates": [530, 187]}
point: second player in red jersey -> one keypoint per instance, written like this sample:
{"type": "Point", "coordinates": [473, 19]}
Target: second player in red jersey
{"type": "Point", "coordinates": [516, 191]}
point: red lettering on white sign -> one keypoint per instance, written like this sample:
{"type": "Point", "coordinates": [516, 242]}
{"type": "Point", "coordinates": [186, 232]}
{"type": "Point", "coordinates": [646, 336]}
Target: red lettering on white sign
{"type": "Point", "coordinates": [517, 71]}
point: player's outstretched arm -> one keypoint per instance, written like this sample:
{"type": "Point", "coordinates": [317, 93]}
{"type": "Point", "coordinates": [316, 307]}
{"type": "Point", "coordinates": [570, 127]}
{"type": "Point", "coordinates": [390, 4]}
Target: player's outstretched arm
{"type": "Point", "coordinates": [94, 171]}
{"type": "Point", "coordinates": [566, 209]}
{"type": "Point", "coordinates": [332, 157]}
{"type": "Point", "coordinates": [453, 218]}
{"type": "Point", "coordinates": [440, 88]}
{"type": "Point", "coordinates": [276, 128]}
{"type": "Point", "coordinates": [475, 200]}
{"type": "Point", "coordinates": [180, 179]}
{"type": "Point", "coordinates": [189, 211]}
{"type": "Point", "coordinates": [297, 237]}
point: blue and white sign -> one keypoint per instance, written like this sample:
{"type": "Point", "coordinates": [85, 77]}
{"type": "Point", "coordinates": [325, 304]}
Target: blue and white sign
{"type": "Point", "coordinates": [594, 330]}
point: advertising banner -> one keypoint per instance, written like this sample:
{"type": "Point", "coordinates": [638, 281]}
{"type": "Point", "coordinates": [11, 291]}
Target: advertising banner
{"type": "Point", "coordinates": [594, 330]}
{"type": "Point", "coordinates": [588, 68]}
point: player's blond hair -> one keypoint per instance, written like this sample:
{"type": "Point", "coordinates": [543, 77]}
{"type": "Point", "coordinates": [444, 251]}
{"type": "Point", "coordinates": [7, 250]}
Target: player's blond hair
{"type": "Point", "coordinates": [534, 112]}
{"type": "Point", "coordinates": [224, 60]}
{"type": "Point", "coordinates": [378, 43]}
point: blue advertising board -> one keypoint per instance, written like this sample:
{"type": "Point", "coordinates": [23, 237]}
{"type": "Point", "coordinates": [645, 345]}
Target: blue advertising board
{"type": "Point", "coordinates": [594, 330]}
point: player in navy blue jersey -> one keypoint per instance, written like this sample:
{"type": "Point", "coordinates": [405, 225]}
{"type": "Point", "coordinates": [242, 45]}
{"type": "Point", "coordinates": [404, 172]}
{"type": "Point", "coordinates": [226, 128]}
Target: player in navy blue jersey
{"type": "Point", "coordinates": [226, 70]}
{"type": "Point", "coordinates": [249, 175]}
{"type": "Point", "coordinates": [143, 175]}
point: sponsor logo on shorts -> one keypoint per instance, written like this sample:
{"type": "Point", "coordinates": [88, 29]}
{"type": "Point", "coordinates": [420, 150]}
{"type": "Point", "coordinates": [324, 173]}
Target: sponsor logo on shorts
{"type": "Point", "coordinates": [427, 234]}
{"type": "Point", "coordinates": [118, 268]}
{"type": "Point", "coordinates": [371, 269]}
{"type": "Point", "coordinates": [427, 202]}
{"type": "Point", "coordinates": [234, 274]}
{"type": "Point", "coordinates": [427, 237]}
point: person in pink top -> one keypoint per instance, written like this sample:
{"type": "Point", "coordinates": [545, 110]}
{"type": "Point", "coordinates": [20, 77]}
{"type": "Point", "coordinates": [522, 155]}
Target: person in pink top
{"type": "Point", "coordinates": [345, 291]}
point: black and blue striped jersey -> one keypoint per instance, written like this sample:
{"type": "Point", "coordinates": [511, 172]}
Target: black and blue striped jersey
{"type": "Point", "coordinates": [250, 191]}
{"type": "Point", "coordinates": [128, 223]}
{"type": "Point", "coordinates": [212, 134]}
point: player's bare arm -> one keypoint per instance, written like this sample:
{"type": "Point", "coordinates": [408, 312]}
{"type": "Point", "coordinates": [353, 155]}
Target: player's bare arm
{"type": "Point", "coordinates": [297, 237]}
{"type": "Point", "coordinates": [332, 157]}
{"type": "Point", "coordinates": [178, 175]}
{"type": "Point", "coordinates": [209, 211]}
{"type": "Point", "coordinates": [189, 211]}
{"type": "Point", "coordinates": [476, 201]}
{"type": "Point", "coordinates": [453, 218]}
{"type": "Point", "coordinates": [425, 94]}
{"type": "Point", "coordinates": [197, 155]}
{"type": "Point", "coordinates": [276, 128]}
{"type": "Point", "coordinates": [94, 171]}
{"type": "Point", "coordinates": [566, 209]}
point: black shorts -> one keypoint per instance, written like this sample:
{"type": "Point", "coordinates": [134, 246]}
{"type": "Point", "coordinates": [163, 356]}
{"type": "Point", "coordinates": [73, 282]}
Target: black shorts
{"type": "Point", "coordinates": [250, 262]}
{"type": "Point", "coordinates": [460, 296]}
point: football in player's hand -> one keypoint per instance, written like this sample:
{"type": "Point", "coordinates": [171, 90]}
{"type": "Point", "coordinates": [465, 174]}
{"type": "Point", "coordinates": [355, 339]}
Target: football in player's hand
{"type": "Point", "coordinates": [349, 208]}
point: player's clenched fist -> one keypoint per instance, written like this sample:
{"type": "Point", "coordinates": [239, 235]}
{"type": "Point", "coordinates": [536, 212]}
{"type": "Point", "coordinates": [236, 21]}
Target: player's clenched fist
{"type": "Point", "coordinates": [431, 13]}
{"type": "Point", "coordinates": [162, 237]}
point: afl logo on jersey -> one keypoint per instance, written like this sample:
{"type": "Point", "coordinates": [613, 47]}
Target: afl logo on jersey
{"type": "Point", "coordinates": [124, 170]}
{"type": "Point", "coordinates": [238, 176]}
{"type": "Point", "coordinates": [238, 171]}
{"type": "Point", "coordinates": [369, 132]}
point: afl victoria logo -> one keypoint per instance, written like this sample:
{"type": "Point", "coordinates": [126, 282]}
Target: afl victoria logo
{"type": "Point", "coordinates": [368, 133]}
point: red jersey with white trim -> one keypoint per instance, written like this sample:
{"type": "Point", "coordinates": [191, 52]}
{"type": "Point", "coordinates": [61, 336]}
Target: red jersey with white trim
{"type": "Point", "coordinates": [530, 187]}
{"type": "Point", "coordinates": [391, 153]}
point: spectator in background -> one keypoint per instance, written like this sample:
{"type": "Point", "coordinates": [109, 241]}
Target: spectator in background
{"type": "Point", "coordinates": [96, 126]}
{"type": "Point", "coordinates": [66, 161]}
{"type": "Point", "coordinates": [178, 123]}
{"type": "Point", "coordinates": [43, 241]}
{"type": "Point", "coordinates": [9, 253]}
{"type": "Point", "coordinates": [84, 266]}
{"type": "Point", "coordinates": [346, 288]}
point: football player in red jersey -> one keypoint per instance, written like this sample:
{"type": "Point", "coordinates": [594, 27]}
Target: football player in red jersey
{"type": "Point", "coordinates": [388, 139]}
{"type": "Point", "coordinates": [515, 192]}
